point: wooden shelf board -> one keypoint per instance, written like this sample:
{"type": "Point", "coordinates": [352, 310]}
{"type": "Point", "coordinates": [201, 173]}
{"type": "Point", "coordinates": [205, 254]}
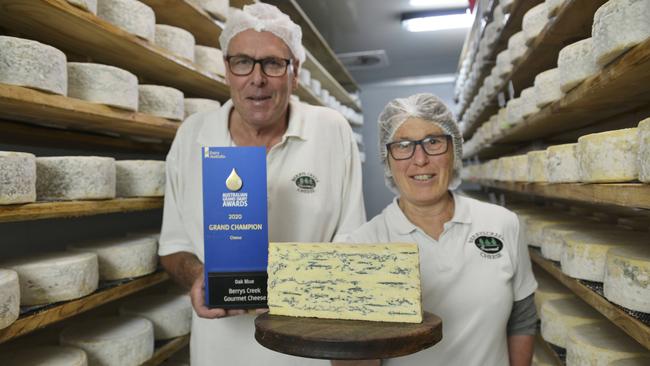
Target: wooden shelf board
{"type": "Point", "coordinates": [316, 44]}
{"type": "Point", "coordinates": [64, 26]}
{"type": "Point", "coordinates": [65, 310]}
{"type": "Point", "coordinates": [167, 350]}
{"type": "Point", "coordinates": [619, 194]}
{"type": "Point", "coordinates": [29, 105]}
{"type": "Point", "coordinates": [63, 209]}
{"type": "Point", "coordinates": [185, 14]}
{"type": "Point", "coordinates": [633, 327]}
{"type": "Point", "coordinates": [328, 82]}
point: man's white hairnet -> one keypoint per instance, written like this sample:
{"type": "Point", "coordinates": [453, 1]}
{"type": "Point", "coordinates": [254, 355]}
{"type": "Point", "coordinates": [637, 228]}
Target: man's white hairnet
{"type": "Point", "coordinates": [263, 18]}
{"type": "Point", "coordinates": [429, 108]}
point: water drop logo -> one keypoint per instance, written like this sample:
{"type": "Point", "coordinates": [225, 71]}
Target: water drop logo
{"type": "Point", "coordinates": [234, 182]}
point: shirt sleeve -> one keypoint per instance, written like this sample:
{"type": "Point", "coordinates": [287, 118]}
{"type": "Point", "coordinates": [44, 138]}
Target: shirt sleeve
{"type": "Point", "coordinates": [523, 317]}
{"type": "Point", "coordinates": [173, 237]}
{"type": "Point", "coordinates": [524, 282]}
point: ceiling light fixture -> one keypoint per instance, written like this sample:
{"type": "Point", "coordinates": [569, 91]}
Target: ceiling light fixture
{"type": "Point", "coordinates": [437, 20]}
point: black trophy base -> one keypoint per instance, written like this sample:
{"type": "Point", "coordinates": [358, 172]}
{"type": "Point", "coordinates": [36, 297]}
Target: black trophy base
{"type": "Point", "coordinates": [237, 290]}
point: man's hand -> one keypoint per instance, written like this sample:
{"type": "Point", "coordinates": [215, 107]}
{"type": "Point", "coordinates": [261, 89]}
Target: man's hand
{"type": "Point", "coordinates": [197, 294]}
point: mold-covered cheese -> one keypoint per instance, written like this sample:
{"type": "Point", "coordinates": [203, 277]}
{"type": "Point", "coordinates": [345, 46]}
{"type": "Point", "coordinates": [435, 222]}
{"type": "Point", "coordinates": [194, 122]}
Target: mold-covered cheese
{"type": "Point", "coordinates": [576, 63]}
{"type": "Point", "coordinates": [103, 84]}
{"type": "Point", "coordinates": [627, 276]}
{"type": "Point", "coordinates": [196, 105]}
{"type": "Point", "coordinates": [552, 6]}
{"type": "Point", "coordinates": [534, 22]}
{"type": "Point", "coordinates": [514, 111]}
{"type": "Point", "coordinates": [553, 236]}
{"type": "Point", "coordinates": [520, 168]}
{"type": "Point", "coordinates": [608, 156]}
{"type": "Point", "coordinates": [643, 157]}
{"type": "Point", "coordinates": [75, 178]}
{"type": "Point", "coordinates": [89, 5]}
{"type": "Point", "coordinates": [32, 64]}
{"type": "Point", "coordinates": [45, 356]}
{"type": "Point", "coordinates": [599, 344]}
{"type": "Point", "coordinates": [9, 297]}
{"type": "Point", "coordinates": [529, 102]}
{"type": "Point", "coordinates": [18, 177]}
{"type": "Point", "coordinates": [216, 8]}
{"type": "Point", "coordinates": [170, 314]}
{"type": "Point", "coordinates": [211, 59]}
{"type": "Point", "coordinates": [176, 40]}
{"type": "Point", "coordinates": [537, 166]}
{"type": "Point", "coordinates": [619, 25]}
{"type": "Point", "coordinates": [161, 101]}
{"type": "Point", "coordinates": [129, 15]}
{"type": "Point", "coordinates": [548, 288]}
{"type": "Point", "coordinates": [517, 46]}
{"type": "Point", "coordinates": [559, 316]}
{"type": "Point", "coordinates": [562, 164]}
{"type": "Point", "coordinates": [140, 178]}
{"type": "Point", "coordinates": [547, 87]}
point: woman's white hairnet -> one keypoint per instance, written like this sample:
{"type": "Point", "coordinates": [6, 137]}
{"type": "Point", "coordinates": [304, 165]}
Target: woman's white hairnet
{"type": "Point", "coordinates": [429, 108]}
{"type": "Point", "coordinates": [263, 18]}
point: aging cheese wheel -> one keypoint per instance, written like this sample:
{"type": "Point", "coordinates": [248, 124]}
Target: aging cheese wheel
{"type": "Point", "coordinates": [211, 59]}
{"type": "Point", "coordinates": [537, 166]}
{"type": "Point", "coordinates": [529, 102]}
{"type": "Point", "coordinates": [130, 15]}
{"type": "Point", "coordinates": [627, 277]}
{"type": "Point", "coordinates": [608, 156]}
{"type": "Point", "coordinates": [535, 224]}
{"type": "Point", "coordinates": [553, 236]}
{"type": "Point", "coordinates": [520, 168]}
{"type": "Point", "coordinates": [517, 46]}
{"type": "Point", "coordinates": [547, 87]}
{"type": "Point", "coordinates": [103, 84]}
{"type": "Point", "coordinates": [9, 297]}
{"type": "Point", "coordinates": [576, 63]}
{"type": "Point", "coordinates": [599, 344]}
{"type": "Point", "coordinates": [216, 8]}
{"type": "Point", "coordinates": [562, 164]}
{"type": "Point", "coordinates": [32, 64]}
{"type": "Point", "coordinates": [140, 178]}
{"type": "Point", "coordinates": [170, 314]}
{"type": "Point", "coordinates": [514, 111]}
{"type": "Point", "coordinates": [18, 177]}
{"type": "Point", "coordinates": [75, 178]}
{"type": "Point", "coordinates": [619, 25]}
{"type": "Point", "coordinates": [46, 356]}
{"type": "Point", "coordinates": [176, 40]}
{"type": "Point", "coordinates": [559, 316]}
{"type": "Point", "coordinates": [534, 22]}
{"type": "Point", "coordinates": [89, 5]}
{"type": "Point", "coordinates": [552, 6]}
{"type": "Point", "coordinates": [112, 341]}
{"type": "Point", "coordinates": [644, 150]}
{"type": "Point", "coordinates": [161, 101]}
{"type": "Point", "coordinates": [585, 252]}
{"type": "Point", "coordinates": [548, 288]}
{"type": "Point", "coordinates": [52, 277]}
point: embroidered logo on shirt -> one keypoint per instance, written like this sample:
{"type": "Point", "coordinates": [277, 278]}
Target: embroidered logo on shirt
{"type": "Point", "coordinates": [489, 243]}
{"type": "Point", "coordinates": [306, 182]}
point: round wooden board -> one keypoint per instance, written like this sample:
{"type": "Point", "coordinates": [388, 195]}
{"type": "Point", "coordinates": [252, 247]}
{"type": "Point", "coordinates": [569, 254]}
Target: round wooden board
{"type": "Point", "coordinates": [337, 339]}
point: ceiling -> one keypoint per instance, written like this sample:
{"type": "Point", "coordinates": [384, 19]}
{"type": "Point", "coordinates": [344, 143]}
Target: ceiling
{"type": "Point", "coordinates": [364, 25]}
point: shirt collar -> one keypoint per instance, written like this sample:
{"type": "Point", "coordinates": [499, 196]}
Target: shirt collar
{"type": "Point", "coordinates": [402, 225]}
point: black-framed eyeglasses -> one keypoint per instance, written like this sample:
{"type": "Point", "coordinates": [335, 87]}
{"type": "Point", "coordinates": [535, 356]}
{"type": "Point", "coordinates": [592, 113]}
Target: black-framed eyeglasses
{"type": "Point", "coordinates": [271, 66]}
{"type": "Point", "coordinates": [432, 145]}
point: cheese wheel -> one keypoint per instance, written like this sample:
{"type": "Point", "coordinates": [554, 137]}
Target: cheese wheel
{"type": "Point", "coordinates": [552, 6]}
{"type": "Point", "coordinates": [585, 252]}
{"type": "Point", "coordinates": [536, 223]}
{"type": "Point", "coordinates": [599, 344]}
{"type": "Point", "coordinates": [520, 168]}
{"type": "Point", "coordinates": [140, 178]}
{"type": "Point", "coordinates": [75, 178]}
{"type": "Point", "coordinates": [315, 86]}
{"type": "Point", "coordinates": [529, 102]}
{"type": "Point", "coordinates": [196, 105]}
{"type": "Point", "coordinates": [170, 314]}
{"type": "Point", "coordinates": [103, 84]}
{"type": "Point", "coordinates": [9, 297]}
{"type": "Point", "coordinates": [89, 5]}
{"type": "Point", "coordinates": [619, 25]}
{"type": "Point", "coordinates": [18, 177]}
{"type": "Point", "coordinates": [123, 257]}
{"type": "Point", "coordinates": [216, 8]}
{"type": "Point", "coordinates": [537, 166]}
{"type": "Point", "coordinates": [112, 341]}
{"type": "Point", "coordinates": [161, 101]}
{"type": "Point", "coordinates": [548, 289]}
{"type": "Point", "coordinates": [627, 277]}
{"type": "Point", "coordinates": [176, 40]}
{"type": "Point", "coordinates": [534, 22]}
{"type": "Point", "coordinates": [562, 164]}
{"type": "Point", "coordinates": [514, 111]}
{"type": "Point", "coordinates": [643, 159]}
{"type": "Point", "coordinates": [634, 361]}
{"type": "Point", "coordinates": [576, 63]}
{"type": "Point", "coordinates": [211, 59]}
{"type": "Point", "coordinates": [547, 87]}
{"type": "Point", "coordinates": [53, 277]}
{"type": "Point", "coordinates": [559, 316]}
{"type": "Point", "coordinates": [552, 237]}
{"type": "Point", "coordinates": [608, 156]}
{"type": "Point", "coordinates": [517, 46]}
{"type": "Point", "coordinates": [32, 64]}
{"type": "Point", "coordinates": [46, 356]}
{"type": "Point", "coordinates": [129, 15]}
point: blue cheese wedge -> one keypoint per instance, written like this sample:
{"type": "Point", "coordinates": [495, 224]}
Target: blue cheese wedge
{"type": "Point", "coordinates": [377, 282]}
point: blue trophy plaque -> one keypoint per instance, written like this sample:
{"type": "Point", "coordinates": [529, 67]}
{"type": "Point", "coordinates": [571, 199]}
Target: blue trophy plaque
{"type": "Point", "coordinates": [235, 227]}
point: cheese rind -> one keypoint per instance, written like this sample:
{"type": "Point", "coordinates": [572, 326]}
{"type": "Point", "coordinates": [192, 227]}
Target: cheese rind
{"type": "Point", "coordinates": [552, 6]}
{"type": "Point", "coordinates": [608, 157]}
{"type": "Point", "coordinates": [643, 158]}
{"type": "Point", "coordinates": [378, 282]}
{"type": "Point", "coordinates": [112, 341]}
{"type": "Point", "coordinates": [548, 289]}
{"type": "Point", "coordinates": [196, 105]}
{"type": "Point", "coordinates": [90, 5]}
{"type": "Point", "coordinates": [75, 178]}
{"type": "Point", "coordinates": [559, 316]}
{"type": "Point", "coordinates": [562, 164]}
{"type": "Point", "coordinates": [553, 237]}
{"type": "Point", "coordinates": [599, 344]}
{"type": "Point", "coordinates": [627, 277]}
{"type": "Point", "coordinates": [46, 356]}
{"type": "Point", "coordinates": [517, 47]}
{"type": "Point", "coordinates": [520, 168]}
{"type": "Point", "coordinates": [170, 314]}
{"type": "Point", "coordinates": [140, 178]}
{"type": "Point", "coordinates": [576, 63]}
{"type": "Point", "coordinates": [103, 84]}
{"type": "Point", "coordinates": [619, 25]}
{"type": "Point", "coordinates": [529, 105]}
{"type": "Point", "coordinates": [211, 59]}
{"type": "Point", "coordinates": [534, 22]}
{"type": "Point", "coordinates": [18, 177]}
{"type": "Point", "coordinates": [537, 166]}
{"type": "Point", "coordinates": [547, 87]}
{"type": "Point", "coordinates": [130, 15]}
{"type": "Point", "coordinates": [216, 8]}
{"type": "Point", "coordinates": [161, 101]}
{"type": "Point", "coordinates": [9, 297]}
{"type": "Point", "coordinates": [32, 64]}
{"type": "Point", "coordinates": [176, 40]}
{"type": "Point", "coordinates": [53, 277]}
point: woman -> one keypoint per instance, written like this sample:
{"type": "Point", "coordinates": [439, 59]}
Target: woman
{"type": "Point", "coordinates": [475, 270]}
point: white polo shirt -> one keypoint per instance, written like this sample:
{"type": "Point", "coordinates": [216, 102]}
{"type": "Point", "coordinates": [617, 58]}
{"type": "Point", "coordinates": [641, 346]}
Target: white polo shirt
{"type": "Point", "coordinates": [470, 286]}
{"type": "Point", "coordinates": [318, 144]}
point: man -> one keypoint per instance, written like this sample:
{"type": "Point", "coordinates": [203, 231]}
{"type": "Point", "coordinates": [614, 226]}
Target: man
{"type": "Point", "coordinates": [263, 54]}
